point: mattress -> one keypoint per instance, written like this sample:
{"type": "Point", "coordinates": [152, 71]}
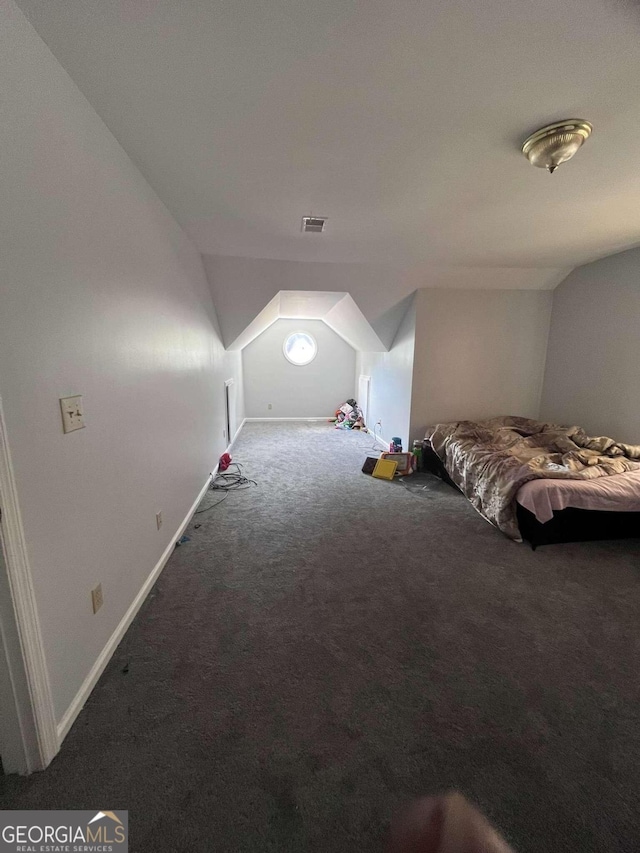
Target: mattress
{"type": "Point", "coordinates": [617, 493]}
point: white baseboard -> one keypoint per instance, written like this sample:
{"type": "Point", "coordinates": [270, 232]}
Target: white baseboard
{"type": "Point", "coordinates": [326, 418]}
{"type": "Point", "coordinates": [106, 654]}
{"type": "Point", "coordinates": [233, 440]}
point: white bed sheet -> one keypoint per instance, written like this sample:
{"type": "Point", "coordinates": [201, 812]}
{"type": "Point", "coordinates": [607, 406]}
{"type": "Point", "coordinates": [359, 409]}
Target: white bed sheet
{"type": "Point", "coordinates": [617, 493]}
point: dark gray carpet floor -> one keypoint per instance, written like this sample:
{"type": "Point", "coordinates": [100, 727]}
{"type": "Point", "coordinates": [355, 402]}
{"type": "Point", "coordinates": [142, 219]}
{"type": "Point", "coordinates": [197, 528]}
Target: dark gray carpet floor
{"type": "Point", "coordinates": [328, 646]}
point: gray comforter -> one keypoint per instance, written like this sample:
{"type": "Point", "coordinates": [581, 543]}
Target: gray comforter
{"type": "Point", "coordinates": [490, 460]}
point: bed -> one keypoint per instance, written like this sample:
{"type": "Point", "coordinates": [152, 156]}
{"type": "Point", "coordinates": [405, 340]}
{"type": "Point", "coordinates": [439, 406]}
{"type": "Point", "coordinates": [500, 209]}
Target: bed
{"type": "Point", "coordinates": [540, 482]}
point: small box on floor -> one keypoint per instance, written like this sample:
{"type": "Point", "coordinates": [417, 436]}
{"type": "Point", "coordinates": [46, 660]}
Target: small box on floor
{"type": "Point", "coordinates": [385, 468]}
{"type": "Point", "coordinates": [404, 462]}
{"type": "Point", "coordinates": [369, 464]}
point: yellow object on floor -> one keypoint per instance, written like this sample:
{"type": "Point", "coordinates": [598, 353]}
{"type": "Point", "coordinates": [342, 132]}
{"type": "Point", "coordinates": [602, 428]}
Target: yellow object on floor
{"type": "Point", "coordinates": [385, 469]}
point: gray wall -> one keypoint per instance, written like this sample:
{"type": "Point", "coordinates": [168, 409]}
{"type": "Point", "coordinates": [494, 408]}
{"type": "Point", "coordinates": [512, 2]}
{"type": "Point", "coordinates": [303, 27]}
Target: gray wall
{"type": "Point", "coordinates": [103, 295]}
{"type": "Point", "coordinates": [592, 376]}
{"type": "Point", "coordinates": [479, 353]}
{"type": "Point", "coordinates": [310, 391]}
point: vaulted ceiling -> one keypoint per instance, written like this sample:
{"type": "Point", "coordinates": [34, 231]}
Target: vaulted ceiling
{"type": "Point", "coordinates": [400, 121]}
{"type": "Point", "coordinates": [336, 310]}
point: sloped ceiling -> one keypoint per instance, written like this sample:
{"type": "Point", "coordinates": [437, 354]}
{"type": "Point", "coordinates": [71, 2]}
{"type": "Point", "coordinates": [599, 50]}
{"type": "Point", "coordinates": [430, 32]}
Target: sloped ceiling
{"type": "Point", "coordinates": [337, 310]}
{"type": "Point", "coordinates": [243, 287]}
{"type": "Point", "coordinates": [400, 121]}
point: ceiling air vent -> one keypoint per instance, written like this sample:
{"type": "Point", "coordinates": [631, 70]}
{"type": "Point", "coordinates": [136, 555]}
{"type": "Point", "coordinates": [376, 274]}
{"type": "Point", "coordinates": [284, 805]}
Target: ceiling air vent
{"type": "Point", "coordinates": [313, 224]}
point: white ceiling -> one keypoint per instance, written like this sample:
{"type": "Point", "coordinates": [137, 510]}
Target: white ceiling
{"type": "Point", "coordinates": [400, 121]}
{"type": "Point", "coordinates": [243, 287]}
{"type": "Point", "coordinates": [336, 310]}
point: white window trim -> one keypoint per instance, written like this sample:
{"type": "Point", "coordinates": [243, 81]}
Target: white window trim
{"type": "Point", "coordinates": [288, 338]}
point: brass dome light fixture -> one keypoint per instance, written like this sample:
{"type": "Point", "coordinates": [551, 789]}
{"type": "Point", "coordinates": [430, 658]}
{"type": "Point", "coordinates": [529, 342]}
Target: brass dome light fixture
{"type": "Point", "coordinates": [556, 143]}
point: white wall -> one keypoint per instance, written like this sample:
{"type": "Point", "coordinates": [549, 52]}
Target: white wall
{"type": "Point", "coordinates": [233, 369]}
{"type": "Point", "coordinates": [310, 391]}
{"type": "Point", "coordinates": [102, 295]}
{"type": "Point", "coordinates": [479, 353]}
{"type": "Point", "coordinates": [391, 373]}
{"type": "Point", "coordinates": [592, 376]}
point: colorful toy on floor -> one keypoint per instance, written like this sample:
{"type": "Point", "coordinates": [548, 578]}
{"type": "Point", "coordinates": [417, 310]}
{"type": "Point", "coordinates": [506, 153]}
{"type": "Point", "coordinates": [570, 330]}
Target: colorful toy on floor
{"type": "Point", "coordinates": [349, 416]}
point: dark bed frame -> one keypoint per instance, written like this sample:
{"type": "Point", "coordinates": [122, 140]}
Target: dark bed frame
{"type": "Point", "coordinates": [577, 525]}
{"type": "Point", "coordinates": [567, 525]}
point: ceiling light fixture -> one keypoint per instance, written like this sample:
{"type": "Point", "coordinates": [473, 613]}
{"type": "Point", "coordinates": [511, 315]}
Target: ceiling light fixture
{"type": "Point", "coordinates": [556, 143]}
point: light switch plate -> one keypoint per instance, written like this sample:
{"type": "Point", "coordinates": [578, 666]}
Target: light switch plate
{"type": "Point", "coordinates": [72, 413]}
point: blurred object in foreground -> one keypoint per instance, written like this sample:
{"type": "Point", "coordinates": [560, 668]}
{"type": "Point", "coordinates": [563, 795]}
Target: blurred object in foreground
{"type": "Point", "coordinates": [445, 824]}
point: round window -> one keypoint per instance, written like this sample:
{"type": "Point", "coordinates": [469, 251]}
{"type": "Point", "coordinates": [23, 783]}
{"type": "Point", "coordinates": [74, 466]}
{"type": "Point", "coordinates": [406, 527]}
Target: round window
{"type": "Point", "coordinates": [300, 348]}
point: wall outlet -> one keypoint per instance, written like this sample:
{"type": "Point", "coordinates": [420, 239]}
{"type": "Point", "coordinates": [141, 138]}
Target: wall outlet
{"type": "Point", "coordinates": [96, 598]}
{"type": "Point", "coordinates": [224, 433]}
{"type": "Point", "coordinates": [72, 413]}
{"type": "Point", "coordinates": [159, 520]}
{"type": "Point", "coordinates": [269, 406]}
